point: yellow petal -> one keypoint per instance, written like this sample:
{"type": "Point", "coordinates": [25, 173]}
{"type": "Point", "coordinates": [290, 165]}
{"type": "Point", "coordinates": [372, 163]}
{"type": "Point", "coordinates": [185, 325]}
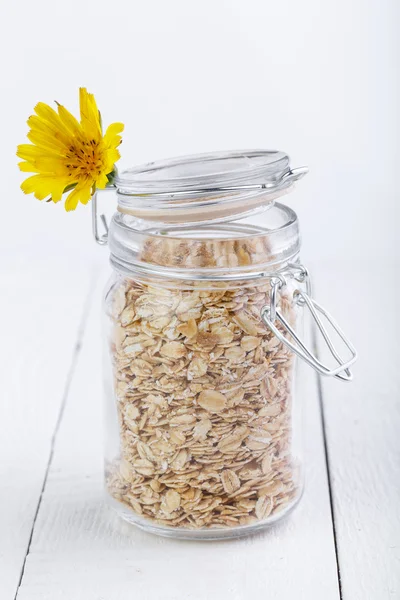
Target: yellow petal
{"type": "Point", "coordinates": [102, 181]}
{"type": "Point", "coordinates": [45, 112]}
{"type": "Point", "coordinates": [69, 121]}
{"type": "Point", "coordinates": [72, 200]}
{"type": "Point", "coordinates": [86, 194]}
{"type": "Point", "coordinates": [40, 127]}
{"type": "Point", "coordinates": [111, 140]}
{"type": "Point", "coordinates": [37, 124]}
{"type": "Point", "coordinates": [42, 185]}
{"type": "Point", "coordinates": [47, 142]}
{"type": "Point", "coordinates": [113, 130]}
{"type": "Point", "coordinates": [90, 120]}
{"type": "Point", "coordinates": [111, 157]}
{"type": "Point", "coordinates": [52, 166]}
{"type": "Point", "coordinates": [58, 188]}
{"type": "Point", "coordinates": [30, 152]}
{"type": "Point", "coordinates": [26, 167]}
{"type": "Point", "coordinates": [82, 193]}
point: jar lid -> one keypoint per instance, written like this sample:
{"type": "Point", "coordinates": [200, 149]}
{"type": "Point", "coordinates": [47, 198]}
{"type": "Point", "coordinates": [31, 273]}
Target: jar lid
{"type": "Point", "coordinates": [206, 187]}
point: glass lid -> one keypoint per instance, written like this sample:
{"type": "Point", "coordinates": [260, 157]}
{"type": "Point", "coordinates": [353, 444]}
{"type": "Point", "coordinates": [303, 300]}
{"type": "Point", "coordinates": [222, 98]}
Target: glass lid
{"type": "Point", "coordinates": [205, 187]}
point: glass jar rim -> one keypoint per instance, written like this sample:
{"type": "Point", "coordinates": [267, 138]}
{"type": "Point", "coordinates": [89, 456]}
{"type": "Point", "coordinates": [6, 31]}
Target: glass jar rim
{"type": "Point", "coordinates": [148, 248]}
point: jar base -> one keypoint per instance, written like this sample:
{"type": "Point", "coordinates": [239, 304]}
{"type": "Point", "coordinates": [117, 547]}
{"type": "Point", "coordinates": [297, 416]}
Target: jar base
{"type": "Point", "coordinates": [211, 534]}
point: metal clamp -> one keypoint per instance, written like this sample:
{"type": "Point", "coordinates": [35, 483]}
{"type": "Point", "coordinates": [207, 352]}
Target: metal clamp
{"type": "Point", "coordinates": [270, 313]}
{"type": "Point", "coordinates": [102, 240]}
{"type": "Point", "coordinates": [277, 282]}
{"type": "Point", "coordinates": [294, 175]}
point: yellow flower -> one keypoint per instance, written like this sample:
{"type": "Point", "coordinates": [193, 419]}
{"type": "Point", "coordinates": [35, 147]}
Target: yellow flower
{"type": "Point", "coordinates": [68, 155]}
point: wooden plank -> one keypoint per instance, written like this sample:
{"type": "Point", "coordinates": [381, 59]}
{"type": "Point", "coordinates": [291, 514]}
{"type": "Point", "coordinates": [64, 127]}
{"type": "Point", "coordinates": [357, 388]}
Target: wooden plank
{"type": "Point", "coordinates": [362, 428]}
{"type": "Point", "coordinates": [42, 306]}
{"type": "Point", "coordinates": [82, 551]}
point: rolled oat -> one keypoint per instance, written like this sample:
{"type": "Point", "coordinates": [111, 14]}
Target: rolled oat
{"type": "Point", "coordinates": [203, 393]}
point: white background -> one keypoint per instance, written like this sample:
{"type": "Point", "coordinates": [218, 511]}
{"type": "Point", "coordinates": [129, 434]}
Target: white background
{"type": "Point", "coordinates": [319, 80]}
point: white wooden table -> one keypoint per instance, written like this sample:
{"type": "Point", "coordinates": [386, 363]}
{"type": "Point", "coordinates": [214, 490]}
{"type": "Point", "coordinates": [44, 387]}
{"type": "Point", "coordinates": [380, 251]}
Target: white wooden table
{"type": "Point", "coordinates": [59, 541]}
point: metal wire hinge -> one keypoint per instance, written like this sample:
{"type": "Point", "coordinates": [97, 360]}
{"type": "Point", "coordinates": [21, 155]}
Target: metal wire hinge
{"type": "Point", "coordinates": [270, 314]}
{"type": "Point", "coordinates": [100, 239]}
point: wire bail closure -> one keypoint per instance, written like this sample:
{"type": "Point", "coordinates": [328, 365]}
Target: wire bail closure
{"type": "Point", "coordinates": [102, 240]}
{"type": "Point", "coordinates": [270, 313]}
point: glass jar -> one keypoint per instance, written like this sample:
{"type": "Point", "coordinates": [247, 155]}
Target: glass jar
{"type": "Point", "coordinates": [202, 321]}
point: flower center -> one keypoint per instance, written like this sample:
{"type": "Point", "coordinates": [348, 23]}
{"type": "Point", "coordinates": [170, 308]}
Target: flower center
{"type": "Point", "coordinates": [84, 159]}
